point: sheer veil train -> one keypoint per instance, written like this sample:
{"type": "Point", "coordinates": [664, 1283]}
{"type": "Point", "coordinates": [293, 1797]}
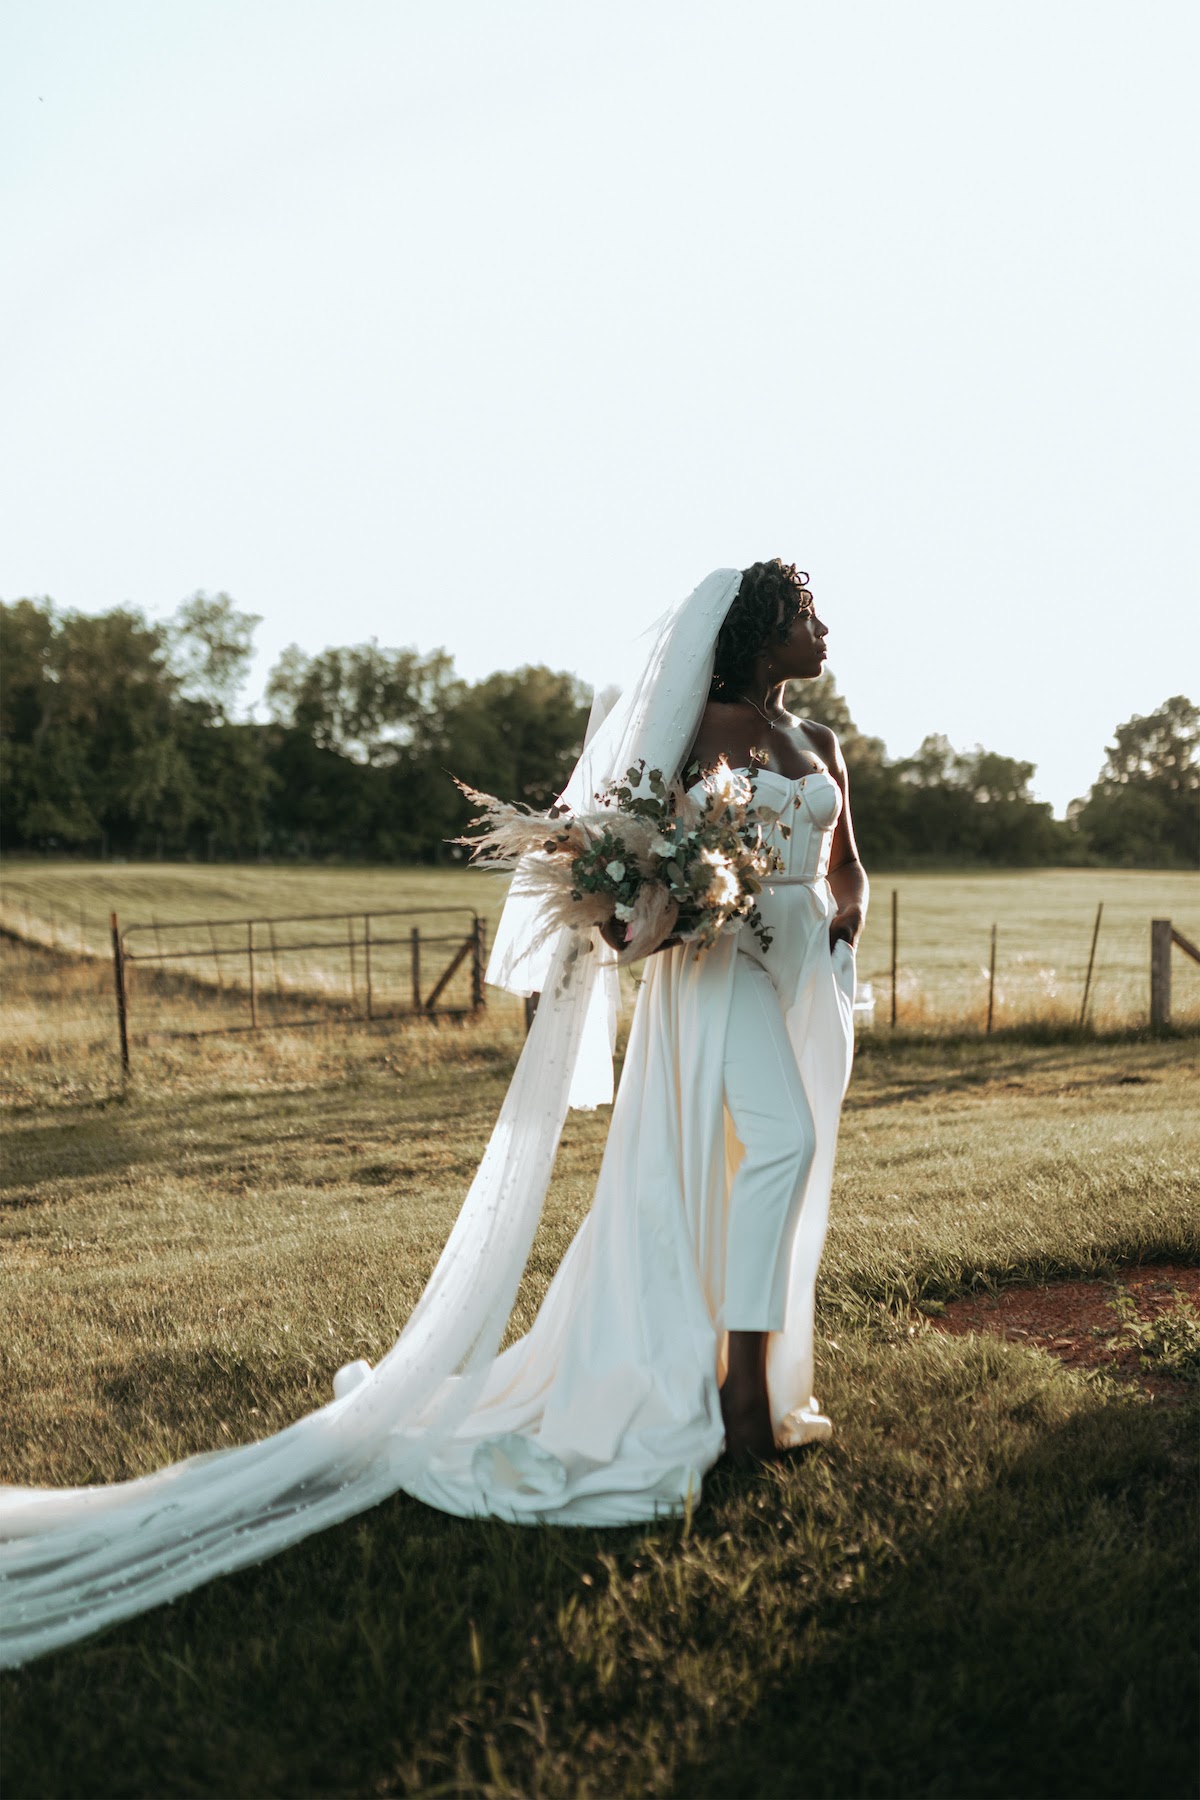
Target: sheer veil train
{"type": "Point", "coordinates": [75, 1560]}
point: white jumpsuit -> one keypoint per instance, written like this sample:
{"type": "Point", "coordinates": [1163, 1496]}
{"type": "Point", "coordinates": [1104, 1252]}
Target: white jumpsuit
{"type": "Point", "coordinates": [764, 1092]}
{"type": "Point", "coordinates": [608, 1410]}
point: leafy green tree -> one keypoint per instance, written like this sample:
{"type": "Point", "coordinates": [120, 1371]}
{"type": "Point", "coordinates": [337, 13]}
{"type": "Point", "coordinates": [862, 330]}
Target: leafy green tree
{"type": "Point", "coordinates": [93, 751]}
{"type": "Point", "coordinates": [320, 804]}
{"type": "Point", "coordinates": [45, 776]}
{"type": "Point", "coordinates": [958, 806]}
{"type": "Point", "coordinates": [516, 733]}
{"type": "Point", "coordinates": [1008, 824]}
{"type": "Point", "coordinates": [363, 701]}
{"type": "Point", "coordinates": [1145, 806]}
{"type": "Point", "coordinates": [234, 786]}
{"type": "Point", "coordinates": [519, 733]}
{"type": "Point", "coordinates": [210, 644]}
{"type": "Point", "coordinates": [115, 689]}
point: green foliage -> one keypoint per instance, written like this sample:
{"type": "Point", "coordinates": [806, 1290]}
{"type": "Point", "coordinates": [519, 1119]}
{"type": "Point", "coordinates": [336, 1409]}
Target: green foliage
{"type": "Point", "coordinates": [1145, 807]}
{"type": "Point", "coordinates": [1169, 1343]}
{"type": "Point", "coordinates": [365, 702]}
{"type": "Point", "coordinates": [210, 645]}
{"type": "Point", "coordinates": [119, 736]}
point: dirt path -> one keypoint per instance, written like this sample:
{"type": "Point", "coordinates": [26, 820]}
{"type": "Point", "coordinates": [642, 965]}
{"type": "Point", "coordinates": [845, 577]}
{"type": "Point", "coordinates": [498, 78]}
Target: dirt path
{"type": "Point", "coordinates": [1077, 1322]}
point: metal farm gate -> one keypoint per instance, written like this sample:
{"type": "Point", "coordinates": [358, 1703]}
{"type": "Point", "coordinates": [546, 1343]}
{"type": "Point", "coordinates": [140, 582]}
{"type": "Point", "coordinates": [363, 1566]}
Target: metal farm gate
{"type": "Point", "coordinates": [247, 953]}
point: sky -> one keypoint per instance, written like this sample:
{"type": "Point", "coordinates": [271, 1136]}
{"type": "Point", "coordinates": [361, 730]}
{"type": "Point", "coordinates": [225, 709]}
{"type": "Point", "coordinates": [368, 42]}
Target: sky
{"type": "Point", "coordinates": [494, 325]}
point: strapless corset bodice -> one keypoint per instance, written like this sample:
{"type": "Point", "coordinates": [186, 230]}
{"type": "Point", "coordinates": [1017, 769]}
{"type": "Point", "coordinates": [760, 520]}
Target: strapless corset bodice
{"type": "Point", "coordinates": [794, 905]}
{"type": "Point", "coordinates": [809, 806]}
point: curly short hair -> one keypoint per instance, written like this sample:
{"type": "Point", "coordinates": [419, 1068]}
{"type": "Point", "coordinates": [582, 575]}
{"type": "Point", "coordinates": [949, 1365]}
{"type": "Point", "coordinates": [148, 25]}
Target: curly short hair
{"type": "Point", "coordinates": [754, 619]}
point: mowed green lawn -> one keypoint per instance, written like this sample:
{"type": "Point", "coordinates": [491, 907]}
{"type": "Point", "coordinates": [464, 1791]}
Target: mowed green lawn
{"type": "Point", "coordinates": [985, 1585]}
{"type": "Point", "coordinates": [1044, 920]}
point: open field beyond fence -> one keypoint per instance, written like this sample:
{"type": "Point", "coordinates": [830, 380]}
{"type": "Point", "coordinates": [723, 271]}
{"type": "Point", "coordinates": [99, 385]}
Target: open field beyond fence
{"type": "Point", "coordinates": [984, 1586]}
{"type": "Point", "coordinates": [1044, 921]}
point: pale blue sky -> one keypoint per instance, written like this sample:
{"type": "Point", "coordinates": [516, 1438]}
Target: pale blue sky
{"type": "Point", "coordinates": [496, 326]}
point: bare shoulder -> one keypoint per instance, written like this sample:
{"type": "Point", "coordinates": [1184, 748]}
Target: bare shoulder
{"type": "Point", "coordinates": [825, 742]}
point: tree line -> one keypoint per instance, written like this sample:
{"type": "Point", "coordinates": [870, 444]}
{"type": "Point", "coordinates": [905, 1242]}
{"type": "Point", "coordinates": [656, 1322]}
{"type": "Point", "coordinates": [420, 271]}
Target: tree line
{"type": "Point", "coordinates": [119, 738]}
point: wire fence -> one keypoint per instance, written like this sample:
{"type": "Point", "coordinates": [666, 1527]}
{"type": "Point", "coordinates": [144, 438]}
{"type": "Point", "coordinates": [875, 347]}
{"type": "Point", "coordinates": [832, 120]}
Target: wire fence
{"type": "Point", "coordinates": [1026, 947]}
{"type": "Point", "coordinates": [297, 970]}
{"type": "Point", "coordinates": [1056, 947]}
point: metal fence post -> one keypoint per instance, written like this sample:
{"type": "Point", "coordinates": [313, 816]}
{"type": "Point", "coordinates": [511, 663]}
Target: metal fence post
{"type": "Point", "coordinates": [992, 981]}
{"type": "Point", "coordinates": [119, 982]}
{"type": "Point", "coordinates": [367, 959]}
{"type": "Point", "coordinates": [1087, 985]}
{"type": "Point", "coordinates": [895, 934]}
{"type": "Point", "coordinates": [250, 960]}
{"type": "Point", "coordinates": [477, 994]}
{"type": "Point", "coordinates": [353, 981]}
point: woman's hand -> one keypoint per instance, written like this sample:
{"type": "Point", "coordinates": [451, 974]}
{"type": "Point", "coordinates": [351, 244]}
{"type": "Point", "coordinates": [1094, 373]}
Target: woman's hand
{"type": "Point", "coordinates": [846, 926]}
{"type": "Point", "coordinates": [613, 933]}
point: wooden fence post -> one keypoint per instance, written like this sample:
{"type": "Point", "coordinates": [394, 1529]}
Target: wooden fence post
{"type": "Point", "coordinates": [416, 968]}
{"type": "Point", "coordinates": [1091, 964]}
{"type": "Point", "coordinates": [1185, 944]}
{"type": "Point", "coordinates": [895, 937]}
{"type": "Point", "coordinates": [1160, 972]}
{"type": "Point", "coordinates": [119, 982]}
{"type": "Point", "coordinates": [992, 981]}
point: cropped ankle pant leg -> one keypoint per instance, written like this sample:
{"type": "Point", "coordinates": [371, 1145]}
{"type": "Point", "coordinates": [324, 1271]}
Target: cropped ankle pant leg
{"type": "Point", "coordinates": [773, 1121]}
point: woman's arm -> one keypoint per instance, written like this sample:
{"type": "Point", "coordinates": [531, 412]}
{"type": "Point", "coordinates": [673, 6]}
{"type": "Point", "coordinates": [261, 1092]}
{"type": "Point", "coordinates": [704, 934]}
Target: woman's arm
{"type": "Point", "coordinates": [847, 878]}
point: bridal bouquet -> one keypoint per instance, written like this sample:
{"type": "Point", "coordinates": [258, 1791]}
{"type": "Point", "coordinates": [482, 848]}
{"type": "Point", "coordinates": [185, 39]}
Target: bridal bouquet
{"type": "Point", "coordinates": [660, 859]}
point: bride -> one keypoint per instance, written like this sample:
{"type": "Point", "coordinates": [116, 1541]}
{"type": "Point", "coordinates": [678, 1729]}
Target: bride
{"type": "Point", "coordinates": [680, 1321]}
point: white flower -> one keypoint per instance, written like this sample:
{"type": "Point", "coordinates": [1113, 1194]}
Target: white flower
{"type": "Point", "coordinates": [720, 782]}
{"type": "Point", "coordinates": [662, 846]}
{"type": "Point", "coordinates": [623, 912]}
{"type": "Point", "coordinates": [615, 871]}
{"type": "Point", "coordinates": [723, 888]}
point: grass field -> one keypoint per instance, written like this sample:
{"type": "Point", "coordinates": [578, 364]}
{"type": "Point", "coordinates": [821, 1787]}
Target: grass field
{"type": "Point", "coordinates": [1044, 918]}
{"type": "Point", "coordinates": [985, 1585]}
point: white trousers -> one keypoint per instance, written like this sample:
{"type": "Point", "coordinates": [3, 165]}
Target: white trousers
{"type": "Point", "coordinates": [774, 1124]}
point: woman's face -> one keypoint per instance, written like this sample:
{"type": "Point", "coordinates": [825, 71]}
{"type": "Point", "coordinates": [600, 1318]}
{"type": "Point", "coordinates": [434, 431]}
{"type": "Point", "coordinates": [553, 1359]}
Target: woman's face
{"type": "Point", "coordinates": [802, 653]}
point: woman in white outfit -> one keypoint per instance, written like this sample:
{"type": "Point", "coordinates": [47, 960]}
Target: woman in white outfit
{"type": "Point", "coordinates": [680, 1321]}
{"type": "Point", "coordinates": [770, 636]}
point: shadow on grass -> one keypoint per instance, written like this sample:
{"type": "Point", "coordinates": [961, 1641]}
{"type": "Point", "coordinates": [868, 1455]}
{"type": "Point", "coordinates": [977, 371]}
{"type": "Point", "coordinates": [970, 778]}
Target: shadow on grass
{"type": "Point", "coordinates": [1022, 1066]}
{"type": "Point", "coordinates": [1039, 1640]}
{"type": "Point", "coordinates": [1028, 1640]}
{"type": "Point", "coordinates": [217, 1126]}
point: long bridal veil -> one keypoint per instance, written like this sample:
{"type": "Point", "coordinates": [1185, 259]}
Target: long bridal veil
{"type": "Point", "coordinates": [75, 1560]}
